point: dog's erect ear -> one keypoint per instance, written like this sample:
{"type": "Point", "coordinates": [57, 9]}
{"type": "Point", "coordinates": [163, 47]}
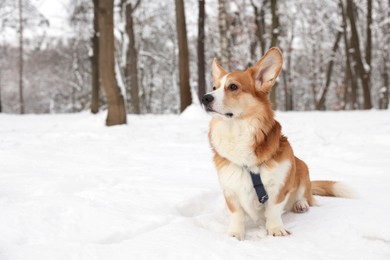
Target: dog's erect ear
{"type": "Point", "coordinates": [217, 71]}
{"type": "Point", "coordinates": [267, 69]}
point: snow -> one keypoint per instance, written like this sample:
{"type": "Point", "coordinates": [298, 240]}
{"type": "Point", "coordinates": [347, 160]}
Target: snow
{"type": "Point", "coordinates": [71, 188]}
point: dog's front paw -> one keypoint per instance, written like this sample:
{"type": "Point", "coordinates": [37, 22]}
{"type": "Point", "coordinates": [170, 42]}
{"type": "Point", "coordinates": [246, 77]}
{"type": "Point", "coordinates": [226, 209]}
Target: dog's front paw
{"type": "Point", "coordinates": [278, 231]}
{"type": "Point", "coordinates": [237, 234]}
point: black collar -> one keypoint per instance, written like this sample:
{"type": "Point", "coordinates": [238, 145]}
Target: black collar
{"type": "Point", "coordinates": [259, 187]}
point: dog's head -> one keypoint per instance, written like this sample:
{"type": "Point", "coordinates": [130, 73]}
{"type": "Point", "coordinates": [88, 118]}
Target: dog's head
{"type": "Point", "coordinates": [240, 94]}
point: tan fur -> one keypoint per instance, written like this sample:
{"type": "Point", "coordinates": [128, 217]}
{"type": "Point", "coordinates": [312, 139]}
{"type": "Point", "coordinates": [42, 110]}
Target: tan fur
{"type": "Point", "coordinates": [219, 161]}
{"type": "Point", "coordinates": [230, 203]}
{"type": "Point", "coordinates": [323, 188]}
{"type": "Point", "coordinates": [270, 147]}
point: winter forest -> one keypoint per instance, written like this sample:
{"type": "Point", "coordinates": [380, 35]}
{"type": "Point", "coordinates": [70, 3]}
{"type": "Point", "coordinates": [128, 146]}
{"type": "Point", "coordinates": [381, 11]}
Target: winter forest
{"type": "Point", "coordinates": [156, 55]}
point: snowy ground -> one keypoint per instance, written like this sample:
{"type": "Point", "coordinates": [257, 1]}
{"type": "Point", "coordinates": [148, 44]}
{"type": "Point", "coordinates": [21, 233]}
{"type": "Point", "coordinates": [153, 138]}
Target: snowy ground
{"type": "Point", "coordinates": [71, 188]}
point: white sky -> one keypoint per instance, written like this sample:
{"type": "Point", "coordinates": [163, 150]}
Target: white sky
{"type": "Point", "coordinates": [56, 11]}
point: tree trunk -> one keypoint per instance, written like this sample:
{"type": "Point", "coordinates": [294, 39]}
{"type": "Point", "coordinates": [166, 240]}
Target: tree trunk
{"type": "Point", "coordinates": [287, 81]}
{"type": "Point", "coordinates": [275, 23]}
{"type": "Point", "coordinates": [384, 92]}
{"type": "Point", "coordinates": [260, 25]}
{"type": "Point", "coordinates": [363, 73]}
{"type": "Point", "coordinates": [321, 102]}
{"type": "Point", "coordinates": [201, 59]}
{"type": "Point", "coordinates": [222, 23]}
{"type": "Point", "coordinates": [285, 88]}
{"type": "Point", "coordinates": [1, 106]}
{"type": "Point", "coordinates": [349, 71]}
{"type": "Point", "coordinates": [184, 70]}
{"type": "Point", "coordinates": [274, 43]}
{"type": "Point", "coordinates": [287, 78]}
{"type": "Point", "coordinates": [368, 47]}
{"type": "Point", "coordinates": [21, 52]}
{"type": "Point", "coordinates": [95, 59]}
{"type": "Point", "coordinates": [115, 102]}
{"type": "Point", "coordinates": [132, 66]}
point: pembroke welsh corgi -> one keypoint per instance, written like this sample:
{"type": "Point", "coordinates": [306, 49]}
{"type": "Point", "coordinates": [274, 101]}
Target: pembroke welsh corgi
{"type": "Point", "coordinates": [257, 169]}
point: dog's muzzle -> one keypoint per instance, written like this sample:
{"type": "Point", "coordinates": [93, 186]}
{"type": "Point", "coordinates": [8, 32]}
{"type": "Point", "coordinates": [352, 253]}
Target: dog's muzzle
{"type": "Point", "coordinates": [207, 99]}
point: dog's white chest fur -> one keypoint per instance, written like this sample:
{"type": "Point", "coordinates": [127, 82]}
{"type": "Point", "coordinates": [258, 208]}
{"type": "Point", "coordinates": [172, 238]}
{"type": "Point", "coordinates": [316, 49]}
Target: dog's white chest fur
{"type": "Point", "coordinates": [234, 141]}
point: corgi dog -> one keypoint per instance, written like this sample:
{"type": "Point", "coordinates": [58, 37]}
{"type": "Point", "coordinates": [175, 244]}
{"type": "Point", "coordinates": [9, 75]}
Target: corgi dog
{"type": "Point", "coordinates": [248, 143]}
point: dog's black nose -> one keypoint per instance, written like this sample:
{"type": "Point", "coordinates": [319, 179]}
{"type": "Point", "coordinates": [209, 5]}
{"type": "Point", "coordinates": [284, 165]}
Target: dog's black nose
{"type": "Point", "coordinates": [207, 99]}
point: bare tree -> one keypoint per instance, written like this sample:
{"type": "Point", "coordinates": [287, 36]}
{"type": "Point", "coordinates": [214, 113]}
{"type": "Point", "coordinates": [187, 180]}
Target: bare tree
{"type": "Point", "coordinates": [1, 106]}
{"type": "Point", "coordinates": [314, 75]}
{"type": "Point", "coordinates": [115, 101]}
{"type": "Point", "coordinates": [184, 70]}
{"type": "Point", "coordinates": [287, 73]}
{"type": "Point", "coordinates": [361, 68]}
{"type": "Point", "coordinates": [320, 104]}
{"type": "Point", "coordinates": [368, 55]}
{"type": "Point", "coordinates": [259, 14]}
{"type": "Point", "coordinates": [222, 23]}
{"type": "Point", "coordinates": [275, 23]}
{"type": "Point", "coordinates": [21, 53]}
{"type": "Point", "coordinates": [274, 43]}
{"type": "Point", "coordinates": [384, 91]}
{"type": "Point", "coordinates": [131, 70]}
{"type": "Point", "coordinates": [19, 16]}
{"type": "Point", "coordinates": [95, 59]}
{"type": "Point", "coordinates": [201, 59]}
{"type": "Point", "coordinates": [349, 71]}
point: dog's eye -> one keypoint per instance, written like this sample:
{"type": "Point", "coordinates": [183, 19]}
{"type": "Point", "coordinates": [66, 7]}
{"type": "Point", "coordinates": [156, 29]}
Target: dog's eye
{"type": "Point", "coordinates": [233, 87]}
{"type": "Point", "coordinates": [214, 88]}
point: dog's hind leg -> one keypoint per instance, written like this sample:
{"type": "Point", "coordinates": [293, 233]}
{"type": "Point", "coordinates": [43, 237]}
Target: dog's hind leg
{"type": "Point", "coordinates": [301, 204]}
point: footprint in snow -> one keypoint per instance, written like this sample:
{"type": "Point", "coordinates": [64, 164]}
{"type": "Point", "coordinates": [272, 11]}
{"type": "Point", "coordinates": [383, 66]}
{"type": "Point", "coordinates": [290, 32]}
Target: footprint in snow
{"type": "Point", "coordinates": [202, 204]}
{"type": "Point", "coordinates": [207, 210]}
